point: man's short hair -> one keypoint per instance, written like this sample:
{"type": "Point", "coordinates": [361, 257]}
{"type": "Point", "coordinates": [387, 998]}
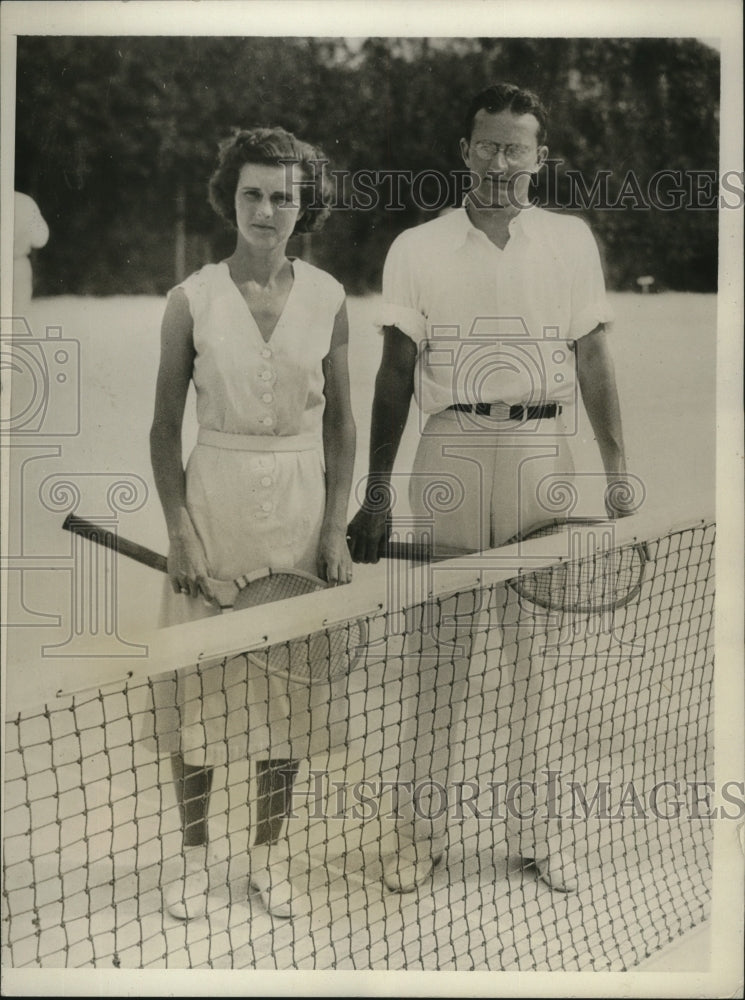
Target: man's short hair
{"type": "Point", "coordinates": [507, 97]}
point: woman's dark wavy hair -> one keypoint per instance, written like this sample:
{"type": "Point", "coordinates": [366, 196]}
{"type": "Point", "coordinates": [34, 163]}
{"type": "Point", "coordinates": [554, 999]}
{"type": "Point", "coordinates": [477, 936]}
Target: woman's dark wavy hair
{"type": "Point", "coordinates": [507, 97]}
{"type": "Point", "coordinates": [272, 146]}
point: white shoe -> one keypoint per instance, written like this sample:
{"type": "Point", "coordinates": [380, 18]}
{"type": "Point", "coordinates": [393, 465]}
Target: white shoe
{"type": "Point", "coordinates": [556, 870]}
{"type": "Point", "coordinates": [409, 867]}
{"type": "Point", "coordinates": [186, 897]}
{"type": "Point", "coordinates": [270, 876]}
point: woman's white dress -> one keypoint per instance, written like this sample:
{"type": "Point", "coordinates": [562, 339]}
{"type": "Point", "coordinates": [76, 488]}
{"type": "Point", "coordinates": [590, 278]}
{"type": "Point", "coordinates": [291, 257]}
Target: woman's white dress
{"type": "Point", "coordinates": [255, 490]}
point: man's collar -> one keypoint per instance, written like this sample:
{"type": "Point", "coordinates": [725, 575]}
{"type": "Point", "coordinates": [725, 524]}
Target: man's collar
{"type": "Point", "coordinates": [462, 226]}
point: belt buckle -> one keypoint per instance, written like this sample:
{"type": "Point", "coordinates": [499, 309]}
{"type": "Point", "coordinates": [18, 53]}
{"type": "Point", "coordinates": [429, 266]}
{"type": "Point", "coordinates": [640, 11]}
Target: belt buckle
{"type": "Point", "coordinates": [497, 411]}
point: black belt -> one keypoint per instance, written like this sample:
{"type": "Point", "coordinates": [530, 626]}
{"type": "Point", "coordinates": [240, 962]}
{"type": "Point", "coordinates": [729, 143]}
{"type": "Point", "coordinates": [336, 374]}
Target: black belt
{"type": "Point", "coordinates": [542, 411]}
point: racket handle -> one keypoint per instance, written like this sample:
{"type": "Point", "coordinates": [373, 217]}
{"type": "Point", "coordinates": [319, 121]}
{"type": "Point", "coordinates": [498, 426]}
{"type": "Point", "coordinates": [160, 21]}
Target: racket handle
{"type": "Point", "coordinates": [109, 539]}
{"type": "Point", "coordinates": [423, 551]}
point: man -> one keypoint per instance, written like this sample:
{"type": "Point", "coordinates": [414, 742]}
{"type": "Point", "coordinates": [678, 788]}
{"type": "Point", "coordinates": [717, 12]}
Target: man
{"type": "Point", "coordinates": [494, 314]}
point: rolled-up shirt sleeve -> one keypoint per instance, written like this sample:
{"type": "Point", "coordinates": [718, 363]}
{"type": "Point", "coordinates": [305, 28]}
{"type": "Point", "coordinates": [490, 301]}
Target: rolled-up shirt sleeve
{"type": "Point", "coordinates": [589, 302]}
{"type": "Point", "coordinates": [400, 306]}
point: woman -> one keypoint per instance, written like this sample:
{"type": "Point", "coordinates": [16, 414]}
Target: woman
{"type": "Point", "coordinates": [264, 339]}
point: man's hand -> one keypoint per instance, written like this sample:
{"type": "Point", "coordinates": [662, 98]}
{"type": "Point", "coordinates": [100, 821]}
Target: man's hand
{"type": "Point", "coordinates": [367, 534]}
{"type": "Point", "coordinates": [621, 499]}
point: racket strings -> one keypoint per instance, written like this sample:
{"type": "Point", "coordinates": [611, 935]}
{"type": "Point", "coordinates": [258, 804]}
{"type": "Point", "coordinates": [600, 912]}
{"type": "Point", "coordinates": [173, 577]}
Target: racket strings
{"type": "Point", "coordinates": [277, 587]}
{"type": "Point", "coordinates": [598, 582]}
{"type": "Point", "coordinates": [321, 656]}
{"type": "Point", "coordinates": [594, 582]}
{"type": "Point", "coordinates": [324, 655]}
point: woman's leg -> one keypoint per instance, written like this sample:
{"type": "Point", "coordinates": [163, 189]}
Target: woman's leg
{"type": "Point", "coordinates": [275, 780]}
{"type": "Point", "coordinates": [193, 785]}
{"type": "Point", "coordinates": [186, 897]}
{"type": "Point", "coordinates": [270, 858]}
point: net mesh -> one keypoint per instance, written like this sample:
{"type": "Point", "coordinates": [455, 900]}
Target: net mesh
{"type": "Point", "coordinates": [584, 734]}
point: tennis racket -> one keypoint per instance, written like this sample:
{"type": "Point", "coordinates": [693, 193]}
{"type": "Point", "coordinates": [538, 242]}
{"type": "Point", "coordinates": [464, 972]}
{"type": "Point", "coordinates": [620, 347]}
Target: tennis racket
{"type": "Point", "coordinates": [588, 583]}
{"type": "Point", "coordinates": [422, 551]}
{"type": "Point", "coordinates": [583, 583]}
{"type": "Point", "coordinates": [323, 655]}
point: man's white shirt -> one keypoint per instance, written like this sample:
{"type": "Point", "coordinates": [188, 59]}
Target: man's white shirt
{"type": "Point", "coordinates": [495, 325]}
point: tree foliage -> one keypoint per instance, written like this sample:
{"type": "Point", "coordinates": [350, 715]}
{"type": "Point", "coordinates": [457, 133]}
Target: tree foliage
{"type": "Point", "coordinates": [116, 138]}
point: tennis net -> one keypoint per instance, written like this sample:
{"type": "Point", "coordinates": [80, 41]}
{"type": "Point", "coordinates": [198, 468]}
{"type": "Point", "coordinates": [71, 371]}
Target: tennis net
{"type": "Point", "coordinates": [594, 731]}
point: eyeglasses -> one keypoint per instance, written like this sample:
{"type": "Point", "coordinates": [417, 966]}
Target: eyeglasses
{"type": "Point", "coordinates": [514, 152]}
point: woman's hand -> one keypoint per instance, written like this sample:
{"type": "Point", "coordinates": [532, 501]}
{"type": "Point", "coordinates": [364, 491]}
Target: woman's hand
{"type": "Point", "coordinates": [187, 564]}
{"type": "Point", "coordinates": [334, 560]}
